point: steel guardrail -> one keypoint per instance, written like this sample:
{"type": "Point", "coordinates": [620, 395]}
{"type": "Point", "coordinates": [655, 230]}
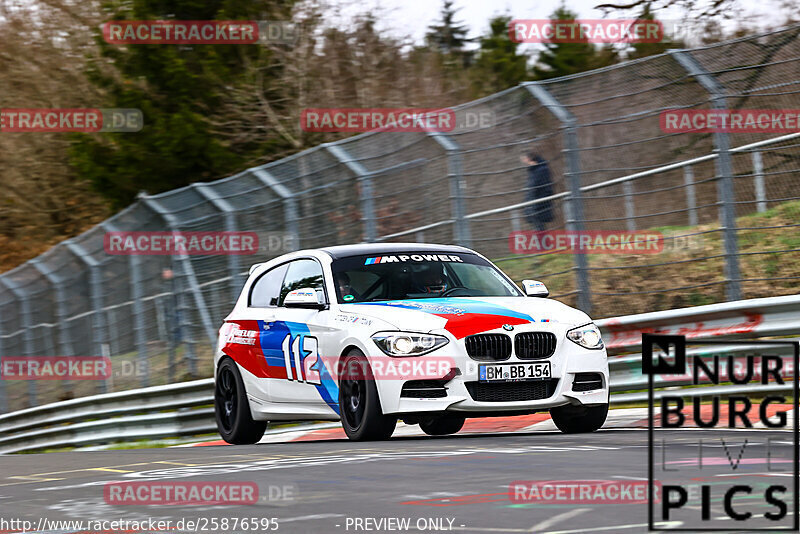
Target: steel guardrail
{"type": "Point", "coordinates": [185, 409]}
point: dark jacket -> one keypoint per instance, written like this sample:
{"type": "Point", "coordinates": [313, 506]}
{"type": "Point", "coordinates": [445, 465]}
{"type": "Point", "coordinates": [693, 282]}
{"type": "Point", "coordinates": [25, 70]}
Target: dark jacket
{"type": "Point", "coordinates": [539, 185]}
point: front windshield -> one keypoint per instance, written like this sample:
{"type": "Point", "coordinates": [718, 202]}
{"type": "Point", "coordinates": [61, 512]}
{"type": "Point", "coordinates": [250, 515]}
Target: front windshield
{"type": "Point", "coordinates": [417, 276]}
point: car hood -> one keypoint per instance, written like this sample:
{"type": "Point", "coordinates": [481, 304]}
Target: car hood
{"type": "Point", "coordinates": [464, 316]}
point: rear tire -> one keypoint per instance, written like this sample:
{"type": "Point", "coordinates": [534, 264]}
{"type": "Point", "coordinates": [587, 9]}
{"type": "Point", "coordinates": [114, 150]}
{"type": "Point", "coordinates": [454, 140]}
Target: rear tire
{"type": "Point", "coordinates": [232, 409]}
{"type": "Point", "coordinates": [579, 419]}
{"type": "Point", "coordinates": [359, 405]}
{"type": "Point", "coordinates": [442, 426]}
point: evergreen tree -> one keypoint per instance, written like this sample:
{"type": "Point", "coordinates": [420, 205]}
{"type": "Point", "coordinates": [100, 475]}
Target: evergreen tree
{"type": "Point", "coordinates": [561, 59]}
{"type": "Point", "coordinates": [178, 88]}
{"type": "Point", "coordinates": [499, 64]}
{"type": "Point", "coordinates": [449, 37]}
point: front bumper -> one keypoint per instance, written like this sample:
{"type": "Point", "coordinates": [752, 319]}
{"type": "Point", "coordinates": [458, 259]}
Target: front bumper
{"type": "Point", "coordinates": [461, 393]}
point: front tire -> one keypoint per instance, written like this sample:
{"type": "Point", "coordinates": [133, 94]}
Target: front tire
{"type": "Point", "coordinates": [359, 405]}
{"type": "Point", "coordinates": [442, 426]}
{"type": "Point", "coordinates": [579, 419]}
{"type": "Point", "coordinates": [231, 408]}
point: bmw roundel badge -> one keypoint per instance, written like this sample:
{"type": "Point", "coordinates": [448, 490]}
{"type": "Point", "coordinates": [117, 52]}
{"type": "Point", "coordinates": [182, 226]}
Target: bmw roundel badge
{"type": "Point", "coordinates": [508, 327]}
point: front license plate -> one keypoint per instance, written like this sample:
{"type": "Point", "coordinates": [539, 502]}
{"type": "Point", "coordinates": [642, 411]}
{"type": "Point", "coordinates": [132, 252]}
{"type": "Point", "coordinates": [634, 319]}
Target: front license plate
{"type": "Point", "coordinates": [512, 372]}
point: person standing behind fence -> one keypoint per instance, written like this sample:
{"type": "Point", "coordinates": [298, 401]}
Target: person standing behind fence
{"type": "Point", "coordinates": [539, 186]}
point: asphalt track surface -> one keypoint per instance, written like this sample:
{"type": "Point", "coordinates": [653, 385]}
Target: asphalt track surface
{"type": "Point", "coordinates": [458, 483]}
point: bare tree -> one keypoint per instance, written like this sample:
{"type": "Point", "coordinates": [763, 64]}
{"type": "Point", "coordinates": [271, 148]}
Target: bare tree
{"type": "Point", "coordinates": [43, 46]}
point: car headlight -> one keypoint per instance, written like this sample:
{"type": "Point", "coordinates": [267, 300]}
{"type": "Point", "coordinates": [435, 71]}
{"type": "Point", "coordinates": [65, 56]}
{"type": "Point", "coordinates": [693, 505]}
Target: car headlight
{"type": "Point", "coordinates": [587, 336]}
{"type": "Point", "coordinates": [408, 343]}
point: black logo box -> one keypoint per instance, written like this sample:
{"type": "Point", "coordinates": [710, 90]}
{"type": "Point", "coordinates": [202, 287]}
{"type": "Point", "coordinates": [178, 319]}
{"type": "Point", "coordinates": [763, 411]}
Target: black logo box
{"type": "Point", "coordinates": [664, 342]}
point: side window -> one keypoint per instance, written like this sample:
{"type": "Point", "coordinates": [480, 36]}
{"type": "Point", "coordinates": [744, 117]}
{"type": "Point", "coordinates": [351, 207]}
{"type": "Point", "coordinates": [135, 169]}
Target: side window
{"type": "Point", "coordinates": [264, 293]}
{"type": "Point", "coordinates": [301, 273]}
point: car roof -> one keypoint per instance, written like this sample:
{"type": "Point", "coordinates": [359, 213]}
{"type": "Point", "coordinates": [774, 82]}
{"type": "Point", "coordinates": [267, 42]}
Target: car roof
{"type": "Point", "coordinates": [344, 251]}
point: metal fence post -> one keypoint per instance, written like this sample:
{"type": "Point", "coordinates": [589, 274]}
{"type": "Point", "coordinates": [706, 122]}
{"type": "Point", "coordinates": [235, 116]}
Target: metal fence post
{"type": "Point", "coordinates": [229, 214]}
{"type": "Point", "coordinates": [139, 329]}
{"type": "Point", "coordinates": [516, 221]}
{"type": "Point", "coordinates": [725, 192]}
{"type": "Point", "coordinates": [455, 172]}
{"type": "Point", "coordinates": [96, 292]}
{"type": "Point", "coordinates": [136, 295]}
{"type": "Point", "coordinates": [575, 220]}
{"type": "Point", "coordinates": [3, 394]}
{"type": "Point", "coordinates": [27, 323]}
{"type": "Point", "coordinates": [290, 212]}
{"type": "Point", "coordinates": [366, 194]}
{"type": "Point", "coordinates": [187, 273]}
{"type": "Point", "coordinates": [181, 310]}
{"type": "Point", "coordinates": [691, 195]}
{"type": "Point", "coordinates": [64, 338]}
{"type": "Point", "coordinates": [758, 178]}
{"type": "Point", "coordinates": [630, 208]}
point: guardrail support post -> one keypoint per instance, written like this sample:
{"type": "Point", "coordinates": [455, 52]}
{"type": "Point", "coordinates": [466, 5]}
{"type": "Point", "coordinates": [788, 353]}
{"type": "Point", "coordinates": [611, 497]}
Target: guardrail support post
{"type": "Point", "coordinates": [758, 178]}
{"type": "Point", "coordinates": [575, 219]}
{"type": "Point", "coordinates": [98, 316]}
{"type": "Point", "coordinates": [725, 192]}
{"type": "Point", "coordinates": [691, 196]}
{"type": "Point", "coordinates": [290, 213]}
{"type": "Point", "coordinates": [455, 172]}
{"type": "Point", "coordinates": [188, 274]}
{"type": "Point", "coordinates": [364, 177]}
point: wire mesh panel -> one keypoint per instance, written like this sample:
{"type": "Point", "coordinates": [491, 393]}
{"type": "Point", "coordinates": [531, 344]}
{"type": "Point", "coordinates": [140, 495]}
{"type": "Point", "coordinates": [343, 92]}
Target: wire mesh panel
{"type": "Point", "coordinates": [763, 74]}
{"type": "Point", "coordinates": [409, 176]}
{"type": "Point", "coordinates": [493, 171]}
{"type": "Point", "coordinates": [12, 343]}
{"type": "Point", "coordinates": [723, 207]}
{"type": "Point", "coordinates": [327, 197]}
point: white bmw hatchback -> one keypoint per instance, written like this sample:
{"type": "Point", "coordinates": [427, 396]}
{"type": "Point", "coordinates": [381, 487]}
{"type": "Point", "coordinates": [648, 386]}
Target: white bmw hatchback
{"type": "Point", "coordinates": [427, 334]}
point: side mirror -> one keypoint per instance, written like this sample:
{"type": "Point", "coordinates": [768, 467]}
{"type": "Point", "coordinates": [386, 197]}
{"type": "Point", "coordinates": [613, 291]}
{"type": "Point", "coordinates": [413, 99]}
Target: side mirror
{"type": "Point", "coordinates": [535, 288]}
{"type": "Point", "coordinates": [305, 297]}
